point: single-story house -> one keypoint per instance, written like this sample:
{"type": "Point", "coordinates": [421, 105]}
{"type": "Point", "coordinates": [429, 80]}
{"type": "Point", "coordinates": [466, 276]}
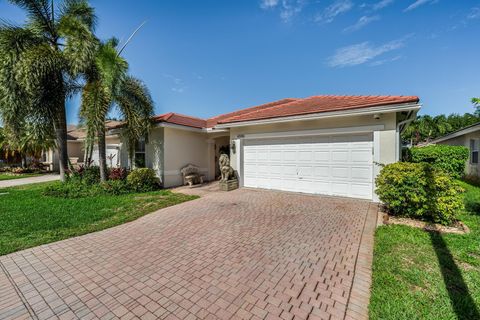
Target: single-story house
{"type": "Point", "coordinates": [76, 147]}
{"type": "Point", "coordinates": [330, 145]}
{"type": "Point", "coordinates": [470, 138]}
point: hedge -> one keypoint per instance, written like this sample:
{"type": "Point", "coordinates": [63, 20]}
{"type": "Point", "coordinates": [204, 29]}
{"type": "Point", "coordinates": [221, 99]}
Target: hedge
{"type": "Point", "coordinates": [419, 190]}
{"type": "Point", "coordinates": [450, 159]}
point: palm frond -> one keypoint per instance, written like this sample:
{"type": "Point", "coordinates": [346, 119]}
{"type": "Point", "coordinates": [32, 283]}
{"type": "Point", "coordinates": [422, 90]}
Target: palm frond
{"type": "Point", "coordinates": [80, 10]}
{"type": "Point", "coordinates": [39, 14]}
{"type": "Point", "coordinates": [136, 105]}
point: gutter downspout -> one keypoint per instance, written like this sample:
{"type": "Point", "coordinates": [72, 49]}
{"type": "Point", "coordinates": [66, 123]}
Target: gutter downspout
{"type": "Point", "coordinates": [412, 115]}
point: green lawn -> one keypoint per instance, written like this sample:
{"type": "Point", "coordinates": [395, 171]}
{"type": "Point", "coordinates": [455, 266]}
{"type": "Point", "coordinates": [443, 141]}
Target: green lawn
{"type": "Point", "coordinates": [420, 275]}
{"type": "Point", "coordinates": [4, 176]}
{"type": "Point", "coordinates": [27, 218]}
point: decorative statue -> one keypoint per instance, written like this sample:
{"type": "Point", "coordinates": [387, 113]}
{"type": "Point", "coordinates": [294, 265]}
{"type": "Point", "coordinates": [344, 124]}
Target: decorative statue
{"type": "Point", "coordinates": [225, 169]}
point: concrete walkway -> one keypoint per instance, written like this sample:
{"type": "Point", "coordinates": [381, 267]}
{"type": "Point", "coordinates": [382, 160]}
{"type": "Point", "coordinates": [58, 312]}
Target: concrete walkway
{"type": "Point", "coordinates": [245, 254]}
{"type": "Point", "coordinates": [29, 180]}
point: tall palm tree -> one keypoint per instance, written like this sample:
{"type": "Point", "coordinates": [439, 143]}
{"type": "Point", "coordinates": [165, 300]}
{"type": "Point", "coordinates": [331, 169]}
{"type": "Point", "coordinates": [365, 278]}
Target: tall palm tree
{"type": "Point", "coordinates": [110, 87]}
{"type": "Point", "coordinates": [41, 61]}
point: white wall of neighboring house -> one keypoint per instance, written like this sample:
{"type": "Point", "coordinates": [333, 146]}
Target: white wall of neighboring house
{"type": "Point", "coordinates": [464, 140]}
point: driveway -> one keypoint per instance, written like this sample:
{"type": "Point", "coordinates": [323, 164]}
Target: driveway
{"type": "Point", "coordinates": [245, 254]}
{"type": "Point", "coordinates": [29, 180]}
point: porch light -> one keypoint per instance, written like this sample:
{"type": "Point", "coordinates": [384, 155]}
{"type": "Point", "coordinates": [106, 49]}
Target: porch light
{"type": "Point", "coordinates": [233, 147]}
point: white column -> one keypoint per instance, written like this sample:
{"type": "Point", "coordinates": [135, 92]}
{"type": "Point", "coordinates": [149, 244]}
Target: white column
{"type": "Point", "coordinates": [239, 159]}
{"type": "Point", "coordinates": [376, 161]}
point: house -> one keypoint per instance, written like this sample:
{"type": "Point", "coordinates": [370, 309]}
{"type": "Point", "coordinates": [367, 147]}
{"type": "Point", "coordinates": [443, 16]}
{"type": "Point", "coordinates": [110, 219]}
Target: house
{"type": "Point", "coordinates": [326, 144]}
{"type": "Point", "coordinates": [76, 147]}
{"type": "Point", "coordinates": [330, 145]}
{"type": "Point", "coordinates": [470, 138]}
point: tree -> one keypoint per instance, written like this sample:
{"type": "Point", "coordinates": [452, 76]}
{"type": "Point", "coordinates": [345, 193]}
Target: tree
{"type": "Point", "coordinates": [476, 103]}
{"type": "Point", "coordinates": [426, 128]}
{"type": "Point", "coordinates": [41, 61]}
{"type": "Point", "coordinates": [110, 87]}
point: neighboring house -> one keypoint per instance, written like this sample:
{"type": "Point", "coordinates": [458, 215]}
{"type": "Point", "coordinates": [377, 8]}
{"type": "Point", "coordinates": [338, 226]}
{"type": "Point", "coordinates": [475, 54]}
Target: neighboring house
{"type": "Point", "coordinates": [76, 148]}
{"type": "Point", "coordinates": [470, 138]}
{"type": "Point", "coordinates": [321, 145]}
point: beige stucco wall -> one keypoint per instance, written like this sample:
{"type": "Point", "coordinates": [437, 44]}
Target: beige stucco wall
{"type": "Point", "coordinates": [470, 169]}
{"type": "Point", "coordinates": [387, 135]}
{"type": "Point", "coordinates": [154, 151]}
{"type": "Point", "coordinates": [182, 147]}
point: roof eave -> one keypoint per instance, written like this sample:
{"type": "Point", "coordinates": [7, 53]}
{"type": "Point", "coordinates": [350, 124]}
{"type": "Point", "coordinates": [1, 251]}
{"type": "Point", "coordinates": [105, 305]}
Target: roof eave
{"type": "Point", "coordinates": [415, 106]}
{"type": "Point", "coordinates": [459, 133]}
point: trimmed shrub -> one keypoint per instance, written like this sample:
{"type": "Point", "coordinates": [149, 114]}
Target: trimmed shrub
{"type": "Point", "coordinates": [418, 190]}
{"type": "Point", "coordinates": [450, 159]}
{"type": "Point", "coordinates": [143, 180]}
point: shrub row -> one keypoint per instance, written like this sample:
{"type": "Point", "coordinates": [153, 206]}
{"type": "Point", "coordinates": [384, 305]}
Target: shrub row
{"type": "Point", "coordinates": [450, 159]}
{"type": "Point", "coordinates": [85, 182]}
{"type": "Point", "coordinates": [420, 190]}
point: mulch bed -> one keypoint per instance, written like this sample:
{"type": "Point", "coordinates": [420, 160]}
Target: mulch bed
{"type": "Point", "coordinates": [458, 228]}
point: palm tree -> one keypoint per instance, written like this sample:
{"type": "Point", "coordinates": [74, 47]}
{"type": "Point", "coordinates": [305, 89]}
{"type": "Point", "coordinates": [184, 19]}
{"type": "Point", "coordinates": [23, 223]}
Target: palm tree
{"type": "Point", "coordinates": [110, 87]}
{"type": "Point", "coordinates": [41, 61]}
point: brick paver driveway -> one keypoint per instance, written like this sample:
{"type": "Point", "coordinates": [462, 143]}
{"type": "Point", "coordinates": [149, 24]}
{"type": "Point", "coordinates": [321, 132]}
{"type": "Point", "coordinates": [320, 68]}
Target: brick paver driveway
{"type": "Point", "coordinates": [246, 254]}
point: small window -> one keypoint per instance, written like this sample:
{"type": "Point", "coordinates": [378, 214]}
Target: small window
{"type": "Point", "coordinates": [140, 154]}
{"type": "Point", "coordinates": [473, 151]}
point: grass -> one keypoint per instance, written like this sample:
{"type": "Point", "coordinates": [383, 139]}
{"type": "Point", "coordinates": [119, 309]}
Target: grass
{"type": "Point", "coordinates": [28, 218]}
{"type": "Point", "coordinates": [421, 275]}
{"type": "Point", "coordinates": [4, 176]}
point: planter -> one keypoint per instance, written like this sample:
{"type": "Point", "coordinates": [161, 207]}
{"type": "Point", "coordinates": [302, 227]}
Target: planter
{"type": "Point", "coordinates": [229, 185]}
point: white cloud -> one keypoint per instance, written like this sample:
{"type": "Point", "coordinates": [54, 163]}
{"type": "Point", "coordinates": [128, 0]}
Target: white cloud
{"type": "Point", "coordinates": [383, 61]}
{"type": "Point", "coordinates": [362, 22]}
{"type": "Point", "coordinates": [419, 3]}
{"type": "Point", "coordinates": [363, 52]}
{"type": "Point", "coordinates": [267, 4]}
{"type": "Point", "coordinates": [335, 9]}
{"type": "Point", "coordinates": [474, 13]}
{"type": "Point", "coordinates": [178, 84]}
{"type": "Point", "coordinates": [382, 4]}
{"type": "Point", "coordinates": [288, 8]}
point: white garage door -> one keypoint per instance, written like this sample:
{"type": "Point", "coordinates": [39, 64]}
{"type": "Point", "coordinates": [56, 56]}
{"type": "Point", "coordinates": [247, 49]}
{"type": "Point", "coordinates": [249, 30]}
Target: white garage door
{"type": "Point", "coordinates": [332, 165]}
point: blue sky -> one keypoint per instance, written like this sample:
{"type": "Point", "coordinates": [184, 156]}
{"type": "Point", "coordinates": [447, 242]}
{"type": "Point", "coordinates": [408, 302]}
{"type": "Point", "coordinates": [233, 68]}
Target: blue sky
{"type": "Point", "coordinates": [208, 57]}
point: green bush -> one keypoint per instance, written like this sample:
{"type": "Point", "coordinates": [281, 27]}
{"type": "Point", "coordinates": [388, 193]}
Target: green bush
{"type": "Point", "coordinates": [143, 180]}
{"type": "Point", "coordinates": [450, 159]}
{"type": "Point", "coordinates": [419, 190]}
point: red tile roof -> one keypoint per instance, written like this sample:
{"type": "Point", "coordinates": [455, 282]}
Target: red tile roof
{"type": "Point", "coordinates": [180, 119]}
{"type": "Point", "coordinates": [288, 107]}
{"type": "Point", "coordinates": [213, 121]}
{"type": "Point", "coordinates": [317, 104]}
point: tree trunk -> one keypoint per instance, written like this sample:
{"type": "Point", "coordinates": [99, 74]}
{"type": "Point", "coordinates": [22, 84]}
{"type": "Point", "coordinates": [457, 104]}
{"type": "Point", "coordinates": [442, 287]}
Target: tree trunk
{"type": "Point", "coordinates": [102, 155]}
{"type": "Point", "coordinates": [24, 161]}
{"type": "Point", "coordinates": [61, 136]}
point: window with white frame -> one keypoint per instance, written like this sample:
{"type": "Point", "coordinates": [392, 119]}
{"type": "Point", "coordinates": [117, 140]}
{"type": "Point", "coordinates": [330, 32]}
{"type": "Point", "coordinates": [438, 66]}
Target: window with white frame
{"type": "Point", "coordinates": [140, 154]}
{"type": "Point", "coordinates": [473, 151]}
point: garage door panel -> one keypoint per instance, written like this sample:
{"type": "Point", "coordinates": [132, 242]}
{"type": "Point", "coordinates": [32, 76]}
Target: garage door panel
{"type": "Point", "coordinates": [305, 155]}
{"type": "Point", "coordinates": [359, 156]}
{"type": "Point", "coordinates": [321, 156]}
{"type": "Point", "coordinates": [321, 172]}
{"type": "Point", "coordinates": [340, 188]}
{"type": "Point", "coordinates": [290, 170]}
{"type": "Point", "coordinates": [333, 165]}
{"type": "Point", "coordinates": [340, 172]}
{"type": "Point", "coordinates": [362, 173]}
{"type": "Point", "coordinates": [361, 190]}
{"type": "Point", "coordinates": [341, 156]}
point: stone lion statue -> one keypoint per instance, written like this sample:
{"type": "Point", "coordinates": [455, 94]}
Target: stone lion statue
{"type": "Point", "coordinates": [225, 169]}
